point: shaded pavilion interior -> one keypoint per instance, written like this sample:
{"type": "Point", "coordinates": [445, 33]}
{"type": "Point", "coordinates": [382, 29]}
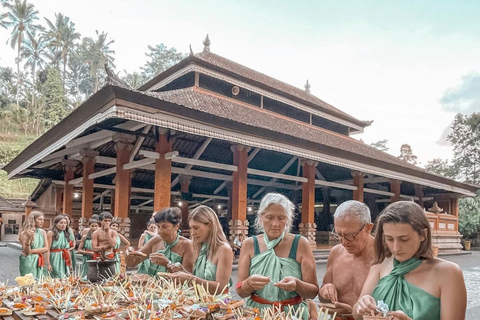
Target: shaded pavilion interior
{"type": "Point", "coordinates": [210, 131]}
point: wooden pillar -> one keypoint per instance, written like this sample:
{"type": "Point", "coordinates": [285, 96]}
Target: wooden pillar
{"type": "Point", "coordinates": [395, 189]}
{"type": "Point", "coordinates": [454, 212]}
{"type": "Point", "coordinates": [358, 182]}
{"type": "Point", "coordinates": [69, 174]}
{"type": "Point", "coordinates": [307, 227]}
{"type": "Point", "coordinates": [419, 194]}
{"type": "Point", "coordinates": [163, 173]}
{"type": "Point", "coordinates": [58, 199]}
{"type": "Point", "coordinates": [238, 223]}
{"type": "Point", "coordinates": [88, 160]}
{"type": "Point", "coordinates": [185, 190]}
{"type": "Point", "coordinates": [123, 146]}
{"type": "Point", "coordinates": [29, 205]}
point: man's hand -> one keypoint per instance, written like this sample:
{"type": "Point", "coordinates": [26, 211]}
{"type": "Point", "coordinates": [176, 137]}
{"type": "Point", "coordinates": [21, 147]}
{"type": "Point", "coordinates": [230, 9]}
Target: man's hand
{"type": "Point", "coordinates": [329, 292]}
{"type": "Point", "coordinates": [288, 284]}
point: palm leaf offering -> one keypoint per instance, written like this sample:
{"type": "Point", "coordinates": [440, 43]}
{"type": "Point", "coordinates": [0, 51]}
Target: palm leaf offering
{"type": "Point", "coordinates": [124, 297]}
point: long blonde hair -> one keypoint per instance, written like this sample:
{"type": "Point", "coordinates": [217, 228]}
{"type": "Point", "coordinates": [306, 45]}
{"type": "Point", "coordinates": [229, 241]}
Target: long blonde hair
{"type": "Point", "coordinates": [207, 216]}
{"type": "Point", "coordinates": [30, 221]}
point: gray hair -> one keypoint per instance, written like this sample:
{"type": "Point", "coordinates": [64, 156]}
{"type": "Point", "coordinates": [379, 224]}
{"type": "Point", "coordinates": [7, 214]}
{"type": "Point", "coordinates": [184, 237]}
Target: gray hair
{"type": "Point", "coordinates": [353, 209]}
{"type": "Point", "coordinates": [281, 200]}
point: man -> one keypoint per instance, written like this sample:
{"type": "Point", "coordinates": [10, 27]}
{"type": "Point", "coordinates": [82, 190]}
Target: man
{"type": "Point", "coordinates": [349, 262]}
{"type": "Point", "coordinates": [104, 238]}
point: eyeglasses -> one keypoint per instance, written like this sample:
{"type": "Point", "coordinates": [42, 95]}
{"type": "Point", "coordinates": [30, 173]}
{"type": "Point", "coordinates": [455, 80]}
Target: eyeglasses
{"type": "Point", "coordinates": [349, 237]}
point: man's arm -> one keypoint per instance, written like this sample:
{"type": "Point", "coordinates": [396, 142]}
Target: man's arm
{"type": "Point", "coordinates": [327, 290]}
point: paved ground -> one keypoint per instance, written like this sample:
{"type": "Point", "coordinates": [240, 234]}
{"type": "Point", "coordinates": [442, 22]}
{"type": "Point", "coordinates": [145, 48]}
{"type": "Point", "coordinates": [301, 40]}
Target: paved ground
{"type": "Point", "coordinates": [470, 264]}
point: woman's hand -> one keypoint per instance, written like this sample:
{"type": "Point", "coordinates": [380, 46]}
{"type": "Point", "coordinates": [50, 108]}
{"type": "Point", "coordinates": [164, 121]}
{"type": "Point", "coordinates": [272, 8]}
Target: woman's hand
{"type": "Point", "coordinates": [176, 267]}
{"type": "Point", "coordinates": [49, 267]}
{"type": "Point", "coordinates": [398, 315]}
{"type": "Point", "coordinates": [182, 276]}
{"type": "Point", "coordinates": [365, 305]}
{"type": "Point", "coordinates": [159, 258]}
{"type": "Point", "coordinates": [257, 281]}
{"type": "Point", "coordinates": [288, 284]}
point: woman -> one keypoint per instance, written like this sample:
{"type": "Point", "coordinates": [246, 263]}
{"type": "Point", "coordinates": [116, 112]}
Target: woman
{"type": "Point", "coordinates": [214, 256]}
{"type": "Point", "coordinates": [59, 261]}
{"type": "Point", "coordinates": [276, 268]}
{"type": "Point", "coordinates": [152, 231]}
{"type": "Point", "coordinates": [406, 275]}
{"type": "Point", "coordinates": [120, 239]}
{"type": "Point", "coordinates": [167, 249]}
{"type": "Point", "coordinates": [85, 247]}
{"type": "Point", "coordinates": [71, 242]}
{"type": "Point", "coordinates": [147, 235]}
{"type": "Point", "coordinates": [34, 243]}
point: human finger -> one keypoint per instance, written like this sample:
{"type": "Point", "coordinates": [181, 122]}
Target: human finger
{"type": "Point", "coordinates": [344, 306]}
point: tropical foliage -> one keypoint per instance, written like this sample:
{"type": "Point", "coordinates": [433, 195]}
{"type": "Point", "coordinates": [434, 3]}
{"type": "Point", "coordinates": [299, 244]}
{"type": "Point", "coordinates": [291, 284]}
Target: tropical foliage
{"type": "Point", "coordinates": [56, 70]}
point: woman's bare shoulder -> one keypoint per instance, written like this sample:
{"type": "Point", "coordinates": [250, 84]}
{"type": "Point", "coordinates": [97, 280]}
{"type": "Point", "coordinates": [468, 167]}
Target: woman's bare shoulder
{"type": "Point", "coordinates": [443, 268]}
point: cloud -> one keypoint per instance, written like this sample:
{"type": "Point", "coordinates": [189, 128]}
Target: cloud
{"type": "Point", "coordinates": [465, 98]}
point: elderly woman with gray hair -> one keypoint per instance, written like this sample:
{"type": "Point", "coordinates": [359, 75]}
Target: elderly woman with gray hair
{"type": "Point", "coordinates": [277, 267]}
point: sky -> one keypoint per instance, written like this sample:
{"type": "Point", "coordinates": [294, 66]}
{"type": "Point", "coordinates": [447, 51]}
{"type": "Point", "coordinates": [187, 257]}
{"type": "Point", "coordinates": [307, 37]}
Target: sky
{"type": "Point", "coordinates": [409, 66]}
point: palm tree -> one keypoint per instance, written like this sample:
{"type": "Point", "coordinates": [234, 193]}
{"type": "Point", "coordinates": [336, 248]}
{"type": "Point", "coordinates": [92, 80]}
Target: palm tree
{"type": "Point", "coordinates": [61, 37]}
{"type": "Point", "coordinates": [21, 17]}
{"type": "Point", "coordinates": [98, 54]}
{"type": "Point", "coordinates": [34, 51]}
{"type": "Point", "coordinates": [3, 22]}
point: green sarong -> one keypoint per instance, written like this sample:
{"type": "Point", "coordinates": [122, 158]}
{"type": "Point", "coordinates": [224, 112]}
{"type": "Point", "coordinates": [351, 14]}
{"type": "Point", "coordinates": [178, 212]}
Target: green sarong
{"type": "Point", "coordinates": [59, 267]}
{"type": "Point", "coordinates": [395, 291]}
{"type": "Point", "coordinates": [73, 253]}
{"type": "Point", "coordinates": [269, 264]}
{"type": "Point", "coordinates": [145, 265]}
{"type": "Point", "coordinates": [116, 249]}
{"type": "Point", "coordinates": [29, 264]}
{"type": "Point", "coordinates": [205, 269]}
{"type": "Point", "coordinates": [87, 246]}
{"type": "Point", "coordinates": [172, 256]}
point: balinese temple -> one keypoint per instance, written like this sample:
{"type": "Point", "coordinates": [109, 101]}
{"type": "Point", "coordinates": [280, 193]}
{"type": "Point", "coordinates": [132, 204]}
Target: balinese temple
{"type": "Point", "coordinates": [211, 131]}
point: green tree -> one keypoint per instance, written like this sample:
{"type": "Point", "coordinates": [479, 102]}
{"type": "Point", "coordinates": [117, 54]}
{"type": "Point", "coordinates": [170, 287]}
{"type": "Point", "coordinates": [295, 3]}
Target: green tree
{"type": "Point", "coordinates": [7, 87]}
{"type": "Point", "coordinates": [465, 138]}
{"type": "Point", "coordinates": [34, 51]}
{"type": "Point", "coordinates": [53, 96]}
{"type": "Point", "coordinates": [98, 54]}
{"type": "Point", "coordinates": [441, 167]}
{"type": "Point", "coordinates": [134, 80]}
{"type": "Point", "coordinates": [22, 18]}
{"type": "Point", "coordinates": [381, 145]}
{"type": "Point", "coordinates": [80, 82]}
{"type": "Point", "coordinates": [62, 38]}
{"type": "Point", "coordinates": [469, 216]}
{"type": "Point", "coordinates": [160, 58]}
{"type": "Point", "coordinates": [406, 154]}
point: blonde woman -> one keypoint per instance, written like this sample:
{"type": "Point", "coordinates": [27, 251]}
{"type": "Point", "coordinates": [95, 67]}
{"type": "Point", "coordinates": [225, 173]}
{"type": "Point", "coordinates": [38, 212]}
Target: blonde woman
{"type": "Point", "coordinates": [34, 243]}
{"type": "Point", "coordinates": [212, 252]}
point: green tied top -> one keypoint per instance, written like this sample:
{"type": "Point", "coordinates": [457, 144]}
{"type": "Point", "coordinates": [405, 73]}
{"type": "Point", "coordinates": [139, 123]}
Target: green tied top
{"type": "Point", "coordinates": [205, 269]}
{"type": "Point", "coordinates": [29, 264]}
{"type": "Point", "coordinates": [399, 294]}
{"type": "Point", "coordinates": [169, 254]}
{"type": "Point", "coordinates": [267, 263]}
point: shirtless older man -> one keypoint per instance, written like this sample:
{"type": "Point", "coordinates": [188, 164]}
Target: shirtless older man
{"type": "Point", "coordinates": [349, 262]}
{"type": "Point", "coordinates": [104, 238]}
